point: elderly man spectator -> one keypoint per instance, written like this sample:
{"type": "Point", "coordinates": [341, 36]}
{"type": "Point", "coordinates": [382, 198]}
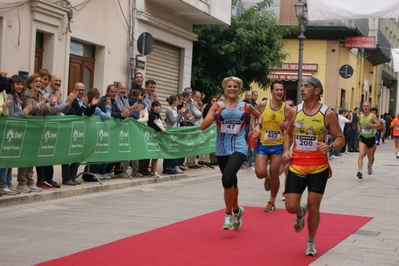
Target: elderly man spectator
{"type": "Point", "coordinates": [116, 112]}
{"type": "Point", "coordinates": [193, 115]}
{"type": "Point", "coordinates": [78, 107]}
{"type": "Point", "coordinates": [122, 102]}
{"type": "Point", "coordinates": [59, 107]}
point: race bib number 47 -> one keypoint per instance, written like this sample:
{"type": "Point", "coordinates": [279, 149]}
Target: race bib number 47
{"type": "Point", "coordinates": [230, 127]}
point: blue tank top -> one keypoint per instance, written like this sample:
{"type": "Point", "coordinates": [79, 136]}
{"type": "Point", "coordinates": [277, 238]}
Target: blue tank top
{"type": "Point", "coordinates": [231, 131]}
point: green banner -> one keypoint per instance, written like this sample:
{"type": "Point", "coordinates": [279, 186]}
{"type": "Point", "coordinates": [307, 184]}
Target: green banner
{"type": "Point", "coordinates": [52, 140]}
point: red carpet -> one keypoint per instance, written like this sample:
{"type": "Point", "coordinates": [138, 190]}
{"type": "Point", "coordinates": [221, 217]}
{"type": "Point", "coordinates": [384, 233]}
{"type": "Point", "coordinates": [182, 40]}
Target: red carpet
{"type": "Point", "coordinates": [264, 239]}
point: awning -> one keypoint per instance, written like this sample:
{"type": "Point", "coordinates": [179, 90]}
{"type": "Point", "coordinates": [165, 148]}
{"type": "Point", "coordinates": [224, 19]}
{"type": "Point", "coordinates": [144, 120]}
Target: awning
{"type": "Point", "coordinates": [288, 75]}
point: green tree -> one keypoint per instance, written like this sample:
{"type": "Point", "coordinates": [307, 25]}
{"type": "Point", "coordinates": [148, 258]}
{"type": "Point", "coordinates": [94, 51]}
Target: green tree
{"type": "Point", "coordinates": [248, 48]}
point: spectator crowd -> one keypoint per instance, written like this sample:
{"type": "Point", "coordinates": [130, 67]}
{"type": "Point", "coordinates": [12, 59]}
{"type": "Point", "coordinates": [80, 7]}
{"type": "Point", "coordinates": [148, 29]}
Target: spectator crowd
{"type": "Point", "coordinates": [40, 95]}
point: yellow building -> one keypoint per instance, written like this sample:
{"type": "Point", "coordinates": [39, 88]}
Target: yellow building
{"type": "Point", "coordinates": [350, 75]}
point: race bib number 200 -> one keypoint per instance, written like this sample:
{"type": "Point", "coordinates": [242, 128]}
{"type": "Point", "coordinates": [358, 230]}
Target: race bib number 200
{"type": "Point", "coordinates": [230, 127]}
{"type": "Point", "coordinates": [306, 143]}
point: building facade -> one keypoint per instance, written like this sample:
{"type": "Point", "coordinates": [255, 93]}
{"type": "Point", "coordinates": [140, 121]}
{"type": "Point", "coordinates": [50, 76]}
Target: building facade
{"type": "Point", "coordinates": [350, 76]}
{"type": "Point", "coordinates": [95, 42]}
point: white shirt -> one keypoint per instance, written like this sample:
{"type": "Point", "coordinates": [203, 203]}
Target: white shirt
{"type": "Point", "coordinates": [342, 120]}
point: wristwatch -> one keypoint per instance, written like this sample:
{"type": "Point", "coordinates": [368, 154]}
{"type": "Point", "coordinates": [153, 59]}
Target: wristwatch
{"type": "Point", "coordinates": [331, 148]}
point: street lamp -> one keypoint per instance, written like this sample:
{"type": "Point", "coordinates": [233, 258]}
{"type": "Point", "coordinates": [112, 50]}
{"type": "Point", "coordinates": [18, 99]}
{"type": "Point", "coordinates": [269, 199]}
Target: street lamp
{"type": "Point", "coordinates": [301, 10]}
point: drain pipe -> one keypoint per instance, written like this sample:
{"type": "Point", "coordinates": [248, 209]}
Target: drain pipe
{"type": "Point", "coordinates": [132, 17]}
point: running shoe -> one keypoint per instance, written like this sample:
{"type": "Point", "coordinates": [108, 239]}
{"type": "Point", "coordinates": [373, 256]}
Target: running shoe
{"type": "Point", "coordinates": [369, 169]}
{"type": "Point", "coordinates": [177, 169]}
{"type": "Point", "coordinates": [228, 222]}
{"type": "Point", "coordinates": [183, 167]}
{"type": "Point", "coordinates": [267, 184]}
{"type": "Point", "coordinates": [311, 249]}
{"type": "Point", "coordinates": [359, 175]}
{"type": "Point", "coordinates": [156, 175]}
{"type": "Point", "coordinates": [105, 177]}
{"type": "Point", "coordinates": [299, 223]}
{"type": "Point", "coordinates": [174, 172]}
{"type": "Point", "coordinates": [137, 174]}
{"type": "Point", "coordinates": [238, 222]}
{"type": "Point", "coordinates": [270, 207]}
{"type": "Point", "coordinates": [34, 188]}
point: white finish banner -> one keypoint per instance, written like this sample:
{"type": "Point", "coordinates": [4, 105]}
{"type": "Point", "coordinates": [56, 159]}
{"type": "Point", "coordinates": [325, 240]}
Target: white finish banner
{"type": "Point", "coordinates": [395, 59]}
{"type": "Point", "coordinates": [353, 9]}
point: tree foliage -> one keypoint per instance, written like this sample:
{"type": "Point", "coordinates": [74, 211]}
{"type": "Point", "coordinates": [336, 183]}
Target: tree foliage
{"type": "Point", "coordinates": [248, 48]}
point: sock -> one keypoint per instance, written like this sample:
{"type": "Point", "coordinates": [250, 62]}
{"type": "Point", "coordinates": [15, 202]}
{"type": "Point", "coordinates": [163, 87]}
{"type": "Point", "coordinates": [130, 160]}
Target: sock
{"type": "Point", "coordinates": [360, 171]}
{"type": "Point", "coordinates": [311, 240]}
{"type": "Point", "coordinates": [236, 211]}
{"type": "Point", "coordinates": [272, 200]}
{"type": "Point", "coordinates": [301, 214]}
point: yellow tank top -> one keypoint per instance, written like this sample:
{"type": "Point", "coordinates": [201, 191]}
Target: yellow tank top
{"type": "Point", "coordinates": [308, 130]}
{"type": "Point", "coordinates": [271, 133]}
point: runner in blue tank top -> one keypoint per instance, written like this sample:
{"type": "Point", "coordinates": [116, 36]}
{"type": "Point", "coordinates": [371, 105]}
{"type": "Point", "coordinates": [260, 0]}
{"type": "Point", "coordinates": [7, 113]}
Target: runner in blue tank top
{"type": "Point", "coordinates": [231, 146]}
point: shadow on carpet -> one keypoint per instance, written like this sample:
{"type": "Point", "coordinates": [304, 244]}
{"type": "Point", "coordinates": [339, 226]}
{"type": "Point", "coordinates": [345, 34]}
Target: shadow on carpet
{"type": "Point", "coordinates": [263, 239]}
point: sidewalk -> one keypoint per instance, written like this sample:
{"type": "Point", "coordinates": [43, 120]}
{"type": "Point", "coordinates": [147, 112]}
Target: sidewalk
{"type": "Point", "coordinates": [90, 187]}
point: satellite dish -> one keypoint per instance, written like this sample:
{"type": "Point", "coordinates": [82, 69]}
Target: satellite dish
{"type": "Point", "coordinates": [145, 43]}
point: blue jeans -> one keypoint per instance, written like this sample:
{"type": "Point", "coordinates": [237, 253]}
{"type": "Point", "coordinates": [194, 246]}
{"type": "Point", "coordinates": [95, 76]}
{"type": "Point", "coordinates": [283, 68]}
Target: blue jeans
{"type": "Point", "coordinates": [180, 161]}
{"type": "Point", "coordinates": [69, 171]}
{"type": "Point", "coordinates": [353, 141]}
{"type": "Point", "coordinates": [5, 177]}
{"type": "Point", "coordinates": [169, 164]}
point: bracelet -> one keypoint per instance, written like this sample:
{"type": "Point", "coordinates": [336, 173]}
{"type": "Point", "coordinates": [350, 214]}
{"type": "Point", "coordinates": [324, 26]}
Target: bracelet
{"type": "Point", "coordinates": [214, 115]}
{"type": "Point", "coordinates": [259, 124]}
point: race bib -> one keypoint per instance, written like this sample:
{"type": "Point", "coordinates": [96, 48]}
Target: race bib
{"type": "Point", "coordinates": [306, 143]}
{"type": "Point", "coordinates": [366, 130]}
{"type": "Point", "coordinates": [272, 135]}
{"type": "Point", "coordinates": [230, 127]}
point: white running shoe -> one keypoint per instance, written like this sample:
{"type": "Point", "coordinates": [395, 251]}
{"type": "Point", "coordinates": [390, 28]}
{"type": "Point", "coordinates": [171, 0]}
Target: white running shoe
{"type": "Point", "coordinates": [237, 221]}
{"type": "Point", "coordinates": [156, 175]}
{"type": "Point", "coordinates": [311, 249]}
{"type": "Point", "coordinates": [369, 169]}
{"type": "Point", "coordinates": [177, 168]}
{"type": "Point", "coordinates": [228, 222]}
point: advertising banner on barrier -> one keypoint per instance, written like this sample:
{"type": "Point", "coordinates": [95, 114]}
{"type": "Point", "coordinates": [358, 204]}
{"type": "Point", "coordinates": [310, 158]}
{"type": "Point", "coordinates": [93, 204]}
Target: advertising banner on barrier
{"type": "Point", "coordinates": [52, 140]}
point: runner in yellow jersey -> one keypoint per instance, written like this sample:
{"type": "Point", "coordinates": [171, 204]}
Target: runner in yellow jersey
{"type": "Point", "coordinates": [270, 129]}
{"type": "Point", "coordinates": [307, 125]}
